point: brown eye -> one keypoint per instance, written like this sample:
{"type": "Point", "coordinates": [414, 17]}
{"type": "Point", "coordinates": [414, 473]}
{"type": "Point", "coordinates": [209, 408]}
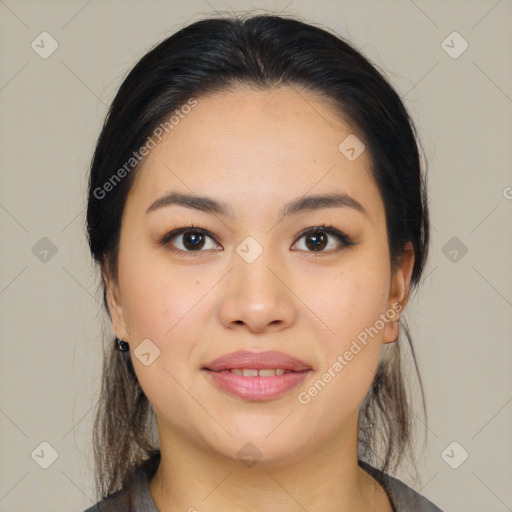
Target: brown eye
{"type": "Point", "coordinates": [193, 240]}
{"type": "Point", "coordinates": [317, 239]}
{"type": "Point", "coordinates": [188, 240]}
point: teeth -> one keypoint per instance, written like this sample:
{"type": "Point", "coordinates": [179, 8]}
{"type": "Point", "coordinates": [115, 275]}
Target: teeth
{"type": "Point", "coordinates": [253, 372]}
{"type": "Point", "coordinates": [270, 372]}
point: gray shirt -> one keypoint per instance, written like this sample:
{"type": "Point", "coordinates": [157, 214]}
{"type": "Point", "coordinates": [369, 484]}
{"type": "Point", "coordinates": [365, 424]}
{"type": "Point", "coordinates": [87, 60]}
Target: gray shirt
{"type": "Point", "coordinates": [136, 497]}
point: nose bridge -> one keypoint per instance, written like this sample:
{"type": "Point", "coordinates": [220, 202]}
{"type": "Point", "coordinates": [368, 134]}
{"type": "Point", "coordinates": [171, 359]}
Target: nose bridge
{"type": "Point", "coordinates": [252, 271]}
{"type": "Point", "coordinates": [255, 294]}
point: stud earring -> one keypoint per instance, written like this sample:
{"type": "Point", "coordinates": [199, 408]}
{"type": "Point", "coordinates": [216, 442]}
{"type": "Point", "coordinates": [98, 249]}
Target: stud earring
{"type": "Point", "coordinates": [122, 346]}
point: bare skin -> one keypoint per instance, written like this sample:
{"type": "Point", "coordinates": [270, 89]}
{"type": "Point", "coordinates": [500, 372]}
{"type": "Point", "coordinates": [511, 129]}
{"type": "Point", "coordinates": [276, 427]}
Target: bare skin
{"type": "Point", "coordinates": [257, 151]}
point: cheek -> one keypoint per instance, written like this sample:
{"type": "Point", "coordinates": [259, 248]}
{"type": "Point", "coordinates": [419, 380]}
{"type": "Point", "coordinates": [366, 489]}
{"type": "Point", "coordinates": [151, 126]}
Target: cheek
{"type": "Point", "coordinates": [351, 307]}
{"type": "Point", "coordinates": [351, 299]}
{"type": "Point", "coordinates": [169, 305]}
{"type": "Point", "coordinates": [155, 295]}
{"type": "Point", "coordinates": [163, 304]}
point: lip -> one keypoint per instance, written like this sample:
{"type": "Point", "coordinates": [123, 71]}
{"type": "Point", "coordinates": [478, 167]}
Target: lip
{"type": "Point", "coordinates": [259, 360]}
{"type": "Point", "coordinates": [257, 388]}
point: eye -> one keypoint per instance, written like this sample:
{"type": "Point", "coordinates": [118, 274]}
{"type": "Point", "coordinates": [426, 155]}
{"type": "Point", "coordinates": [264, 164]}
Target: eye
{"type": "Point", "coordinates": [317, 238]}
{"type": "Point", "coordinates": [193, 239]}
{"type": "Point", "coordinates": [189, 240]}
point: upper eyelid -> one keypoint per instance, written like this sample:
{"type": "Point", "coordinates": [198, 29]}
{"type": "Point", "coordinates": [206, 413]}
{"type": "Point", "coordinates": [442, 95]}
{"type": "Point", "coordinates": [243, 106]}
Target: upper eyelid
{"type": "Point", "coordinates": [330, 230]}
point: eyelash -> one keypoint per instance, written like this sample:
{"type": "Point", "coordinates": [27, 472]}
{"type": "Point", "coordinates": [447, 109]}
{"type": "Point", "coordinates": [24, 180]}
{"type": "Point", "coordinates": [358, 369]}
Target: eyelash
{"type": "Point", "coordinates": [343, 238]}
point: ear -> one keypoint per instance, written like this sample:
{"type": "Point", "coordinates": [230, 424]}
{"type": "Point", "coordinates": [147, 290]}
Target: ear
{"type": "Point", "coordinates": [399, 292]}
{"type": "Point", "coordinates": [115, 307]}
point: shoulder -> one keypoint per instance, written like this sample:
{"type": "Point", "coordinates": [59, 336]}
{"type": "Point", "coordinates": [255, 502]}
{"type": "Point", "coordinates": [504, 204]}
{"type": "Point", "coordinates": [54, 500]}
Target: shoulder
{"type": "Point", "coordinates": [403, 498]}
{"type": "Point", "coordinates": [117, 502]}
{"type": "Point", "coordinates": [135, 496]}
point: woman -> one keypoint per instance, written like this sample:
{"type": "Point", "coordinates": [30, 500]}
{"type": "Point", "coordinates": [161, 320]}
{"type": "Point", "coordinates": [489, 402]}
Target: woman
{"type": "Point", "coordinates": [258, 211]}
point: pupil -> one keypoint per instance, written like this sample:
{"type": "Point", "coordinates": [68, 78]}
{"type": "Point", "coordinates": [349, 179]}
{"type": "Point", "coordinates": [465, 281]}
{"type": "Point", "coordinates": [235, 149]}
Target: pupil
{"type": "Point", "coordinates": [319, 240]}
{"type": "Point", "coordinates": [192, 240]}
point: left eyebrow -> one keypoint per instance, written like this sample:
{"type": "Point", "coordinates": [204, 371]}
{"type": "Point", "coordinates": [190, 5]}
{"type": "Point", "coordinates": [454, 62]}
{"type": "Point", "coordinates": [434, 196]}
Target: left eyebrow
{"type": "Point", "coordinates": [299, 205]}
{"type": "Point", "coordinates": [316, 202]}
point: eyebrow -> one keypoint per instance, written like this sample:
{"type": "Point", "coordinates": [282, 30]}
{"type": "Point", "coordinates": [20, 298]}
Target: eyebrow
{"type": "Point", "coordinates": [299, 205]}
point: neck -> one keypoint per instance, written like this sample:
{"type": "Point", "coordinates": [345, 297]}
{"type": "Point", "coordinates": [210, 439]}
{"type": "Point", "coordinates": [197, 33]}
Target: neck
{"type": "Point", "coordinates": [326, 479]}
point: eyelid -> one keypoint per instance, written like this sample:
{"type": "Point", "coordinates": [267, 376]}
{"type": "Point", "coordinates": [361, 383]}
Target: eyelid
{"type": "Point", "coordinates": [166, 239]}
{"type": "Point", "coordinates": [345, 240]}
{"type": "Point", "coordinates": [342, 237]}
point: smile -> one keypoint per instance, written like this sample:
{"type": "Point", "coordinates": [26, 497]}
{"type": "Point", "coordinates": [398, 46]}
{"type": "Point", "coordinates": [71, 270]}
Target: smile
{"type": "Point", "coordinates": [254, 372]}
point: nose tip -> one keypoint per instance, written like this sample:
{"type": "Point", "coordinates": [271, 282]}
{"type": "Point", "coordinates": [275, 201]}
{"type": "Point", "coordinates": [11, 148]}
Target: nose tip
{"type": "Point", "coordinates": [254, 297]}
{"type": "Point", "coordinates": [261, 325]}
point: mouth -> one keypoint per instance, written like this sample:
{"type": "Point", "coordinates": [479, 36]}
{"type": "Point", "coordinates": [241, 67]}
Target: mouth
{"type": "Point", "coordinates": [257, 376]}
{"type": "Point", "coordinates": [255, 372]}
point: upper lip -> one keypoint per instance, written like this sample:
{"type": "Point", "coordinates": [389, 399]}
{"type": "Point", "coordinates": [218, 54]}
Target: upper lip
{"type": "Point", "coordinates": [257, 360]}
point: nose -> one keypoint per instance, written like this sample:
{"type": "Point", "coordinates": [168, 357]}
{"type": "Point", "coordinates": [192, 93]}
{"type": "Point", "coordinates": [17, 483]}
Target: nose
{"type": "Point", "coordinates": [256, 297]}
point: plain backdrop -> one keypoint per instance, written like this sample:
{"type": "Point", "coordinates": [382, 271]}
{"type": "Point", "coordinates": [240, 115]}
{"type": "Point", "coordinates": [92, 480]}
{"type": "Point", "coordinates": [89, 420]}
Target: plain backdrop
{"type": "Point", "coordinates": [52, 110]}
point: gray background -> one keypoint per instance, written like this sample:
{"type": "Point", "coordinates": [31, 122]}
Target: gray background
{"type": "Point", "coordinates": [52, 110]}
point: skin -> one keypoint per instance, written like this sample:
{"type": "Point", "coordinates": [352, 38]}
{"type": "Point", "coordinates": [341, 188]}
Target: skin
{"type": "Point", "coordinates": [256, 151]}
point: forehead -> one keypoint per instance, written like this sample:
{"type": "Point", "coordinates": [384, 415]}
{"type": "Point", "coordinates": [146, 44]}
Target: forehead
{"type": "Point", "coordinates": [244, 145]}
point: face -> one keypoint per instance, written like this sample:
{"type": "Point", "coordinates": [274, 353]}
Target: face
{"type": "Point", "coordinates": [253, 274]}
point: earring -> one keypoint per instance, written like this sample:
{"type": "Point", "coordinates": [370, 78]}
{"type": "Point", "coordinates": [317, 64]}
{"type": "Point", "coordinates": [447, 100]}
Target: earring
{"type": "Point", "coordinates": [122, 346]}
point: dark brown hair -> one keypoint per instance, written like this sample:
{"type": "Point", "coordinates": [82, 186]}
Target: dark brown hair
{"type": "Point", "coordinates": [262, 52]}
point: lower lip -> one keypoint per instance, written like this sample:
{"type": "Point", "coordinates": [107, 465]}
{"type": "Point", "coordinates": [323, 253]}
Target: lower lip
{"type": "Point", "coordinates": [257, 388]}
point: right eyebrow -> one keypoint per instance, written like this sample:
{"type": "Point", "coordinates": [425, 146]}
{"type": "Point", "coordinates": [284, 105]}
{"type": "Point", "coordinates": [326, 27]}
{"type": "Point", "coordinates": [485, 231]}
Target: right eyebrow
{"type": "Point", "coordinates": [202, 203]}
